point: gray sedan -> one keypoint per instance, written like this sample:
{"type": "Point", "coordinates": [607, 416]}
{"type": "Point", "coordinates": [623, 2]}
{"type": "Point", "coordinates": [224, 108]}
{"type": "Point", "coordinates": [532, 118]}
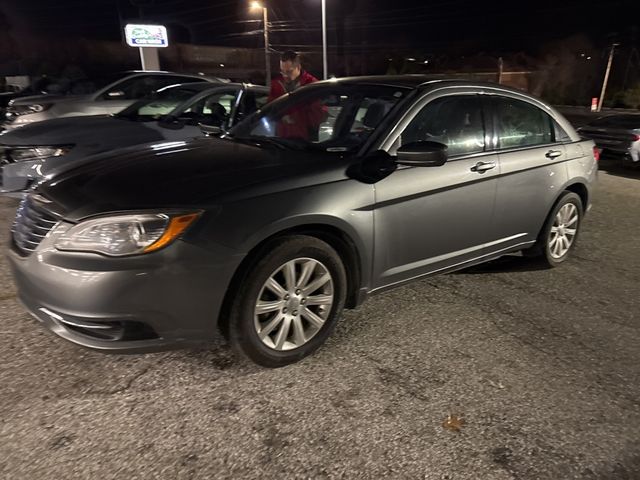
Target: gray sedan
{"type": "Point", "coordinates": [112, 94]}
{"type": "Point", "coordinates": [174, 113]}
{"type": "Point", "coordinates": [331, 194]}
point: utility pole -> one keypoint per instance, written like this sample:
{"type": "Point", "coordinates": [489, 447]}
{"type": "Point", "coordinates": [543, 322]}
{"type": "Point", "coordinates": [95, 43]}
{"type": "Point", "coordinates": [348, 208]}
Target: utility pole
{"type": "Point", "coordinates": [324, 40]}
{"type": "Point", "coordinates": [267, 59]}
{"type": "Point", "coordinates": [256, 5]}
{"type": "Point", "coordinates": [500, 70]}
{"type": "Point", "coordinates": [606, 76]}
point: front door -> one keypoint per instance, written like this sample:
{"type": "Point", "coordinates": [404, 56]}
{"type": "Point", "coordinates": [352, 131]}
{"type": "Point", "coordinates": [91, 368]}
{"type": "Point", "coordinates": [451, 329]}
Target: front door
{"type": "Point", "coordinates": [431, 218]}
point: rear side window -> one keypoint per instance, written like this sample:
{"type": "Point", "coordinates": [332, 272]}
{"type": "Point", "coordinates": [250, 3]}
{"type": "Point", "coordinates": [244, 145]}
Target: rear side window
{"type": "Point", "coordinates": [456, 121]}
{"type": "Point", "coordinates": [521, 124]}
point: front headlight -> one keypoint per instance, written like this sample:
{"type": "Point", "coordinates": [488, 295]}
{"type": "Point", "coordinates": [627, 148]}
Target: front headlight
{"type": "Point", "coordinates": [22, 154]}
{"type": "Point", "coordinates": [39, 107]}
{"type": "Point", "coordinates": [125, 234]}
{"type": "Point", "coordinates": [13, 109]}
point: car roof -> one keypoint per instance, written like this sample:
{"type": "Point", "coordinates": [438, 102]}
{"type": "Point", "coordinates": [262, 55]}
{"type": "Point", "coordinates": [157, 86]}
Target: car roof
{"type": "Point", "coordinates": [417, 81]}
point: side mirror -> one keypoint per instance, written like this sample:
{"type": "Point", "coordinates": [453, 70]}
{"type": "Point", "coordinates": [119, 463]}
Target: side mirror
{"type": "Point", "coordinates": [116, 94]}
{"type": "Point", "coordinates": [210, 130]}
{"type": "Point", "coordinates": [422, 154]}
{"type": "Point", "coordinates": [171, 123]}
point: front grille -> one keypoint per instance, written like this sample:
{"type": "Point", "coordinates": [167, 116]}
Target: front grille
{"type": "Point", "coordinates": [33, 222]}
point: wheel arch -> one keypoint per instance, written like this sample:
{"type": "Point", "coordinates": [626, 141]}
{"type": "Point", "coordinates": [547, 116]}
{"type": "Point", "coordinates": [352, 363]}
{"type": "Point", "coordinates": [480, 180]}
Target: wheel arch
{"type": "Point", "coordinates": [337, 238]}
{"type": "Point", "coordinates": [579, 189]}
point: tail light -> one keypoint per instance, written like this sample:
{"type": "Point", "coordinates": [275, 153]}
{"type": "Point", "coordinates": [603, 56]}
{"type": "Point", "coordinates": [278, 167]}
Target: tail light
{"type": "Point", "coordinates": [636, 137]}
{"type": "Point", "coordinates": [596, 153]}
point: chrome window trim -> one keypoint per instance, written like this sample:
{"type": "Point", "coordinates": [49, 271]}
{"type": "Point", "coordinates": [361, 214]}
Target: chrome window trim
{"type": "Point", "coordinates": [389, 145]}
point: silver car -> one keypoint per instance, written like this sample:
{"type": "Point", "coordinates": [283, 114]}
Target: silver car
{"type": "Point", "coordinates": [113, 94]}
{"type": "Point", "coordinates": [331, 194]}
{"type": "Point", "coordinates": [176, 112]}
{"type": "Point", "coordinates": [617, 134]}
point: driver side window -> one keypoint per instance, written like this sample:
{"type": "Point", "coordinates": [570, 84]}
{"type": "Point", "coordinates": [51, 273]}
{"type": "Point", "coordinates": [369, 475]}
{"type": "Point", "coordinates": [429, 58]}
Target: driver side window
{"type": "Point", "coordinates": [456, 121]}
{"type": "Point", "coordinates": [213, 110]}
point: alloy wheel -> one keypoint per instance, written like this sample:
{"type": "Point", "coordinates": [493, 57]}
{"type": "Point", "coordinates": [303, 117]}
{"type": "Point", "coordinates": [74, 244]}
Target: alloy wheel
{"type": "Point", "coordinates": [294, 304]}
{"type": "Point", "coordinates": [563, 231]}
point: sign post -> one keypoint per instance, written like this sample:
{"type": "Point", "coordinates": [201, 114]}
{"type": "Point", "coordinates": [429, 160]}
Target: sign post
{"type": "Point", "coordinates": [147, 38]}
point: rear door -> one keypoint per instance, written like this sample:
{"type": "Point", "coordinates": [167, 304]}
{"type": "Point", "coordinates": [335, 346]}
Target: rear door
{"type": "Point", "coordinates": [533, 167]}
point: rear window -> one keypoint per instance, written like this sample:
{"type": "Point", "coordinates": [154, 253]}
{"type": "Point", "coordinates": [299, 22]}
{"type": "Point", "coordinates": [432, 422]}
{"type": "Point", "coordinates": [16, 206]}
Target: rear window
{"type": "Point", "coordinates": [619, 121]}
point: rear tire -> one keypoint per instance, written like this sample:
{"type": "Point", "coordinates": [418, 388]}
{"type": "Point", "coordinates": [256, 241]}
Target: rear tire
{"type": "Point", "coordinates": [288, 302]}
{"type": "Point", "coordinates": [560, 232]}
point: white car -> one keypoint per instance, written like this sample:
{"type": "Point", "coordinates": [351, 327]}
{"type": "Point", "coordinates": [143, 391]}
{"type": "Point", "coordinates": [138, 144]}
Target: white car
{"type": "Point", "coordinates": [111, 95]}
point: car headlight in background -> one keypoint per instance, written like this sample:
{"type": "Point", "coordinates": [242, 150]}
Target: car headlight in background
{"type": "Point", "coordinates": [17, 110]}
{"type": "Point", "coordinates": [22, 154]}
{"type": "Point", "coordinates": [125, 234]}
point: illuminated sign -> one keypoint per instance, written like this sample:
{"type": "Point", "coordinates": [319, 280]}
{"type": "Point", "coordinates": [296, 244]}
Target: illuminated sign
{"type": "Point", "coordinates": [146, 35]}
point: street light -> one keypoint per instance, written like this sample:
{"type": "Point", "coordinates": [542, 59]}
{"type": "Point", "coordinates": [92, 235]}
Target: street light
{"type": "Point", "coordinates": [258, 6]}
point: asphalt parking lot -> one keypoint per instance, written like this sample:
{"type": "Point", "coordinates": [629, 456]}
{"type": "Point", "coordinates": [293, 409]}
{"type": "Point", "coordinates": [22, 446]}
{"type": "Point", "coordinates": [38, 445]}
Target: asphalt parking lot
{"type": "Point", "coordinates": [542, 365]}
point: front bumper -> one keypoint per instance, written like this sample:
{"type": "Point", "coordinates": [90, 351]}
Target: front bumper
{"type": "Point", "coordinates": [162, 300]}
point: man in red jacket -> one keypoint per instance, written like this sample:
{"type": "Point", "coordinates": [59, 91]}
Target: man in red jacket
{"type": "Point", "coordinates": [301, 121]}
{"type": "Point", "coordinates": [292, 76]}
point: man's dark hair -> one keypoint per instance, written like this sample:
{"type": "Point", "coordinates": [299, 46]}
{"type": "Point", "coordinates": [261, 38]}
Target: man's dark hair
{"type": "Point", "coordinates": [290, 56]}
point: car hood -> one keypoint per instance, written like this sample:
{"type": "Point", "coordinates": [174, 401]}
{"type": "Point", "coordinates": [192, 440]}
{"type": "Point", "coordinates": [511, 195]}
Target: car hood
{"type": "Point", "coordinates": [89, 131]}
{"type": "Point", "coordinates": [49, 99]}
{"type": "Point", "coordinates": [199, 173]}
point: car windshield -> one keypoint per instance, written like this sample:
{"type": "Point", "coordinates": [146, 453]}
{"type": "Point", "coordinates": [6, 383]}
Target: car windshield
{"type": "Point", "coordinates": [159, 104]}
{"type": "Point", "coordinates": [328, 116]}
{"type": "Point", "coordinates": [618, 121]}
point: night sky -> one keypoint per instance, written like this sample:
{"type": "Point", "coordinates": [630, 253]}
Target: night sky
{"type": "Point", "coordinates": [362, 25]}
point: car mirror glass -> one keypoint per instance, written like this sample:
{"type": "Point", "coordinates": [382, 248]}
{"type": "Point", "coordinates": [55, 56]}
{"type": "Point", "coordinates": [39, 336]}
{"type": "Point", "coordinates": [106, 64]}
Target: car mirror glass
{"type": "Point", "coordinates": [374, 167]}
{"type": "Point", "coordinates": [171, 123]}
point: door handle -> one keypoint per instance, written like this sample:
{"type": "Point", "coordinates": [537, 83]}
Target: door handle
{"type": "Point", "coordinates": [553, 153]}
{"type": "Point", "coordinates": [482, 167]}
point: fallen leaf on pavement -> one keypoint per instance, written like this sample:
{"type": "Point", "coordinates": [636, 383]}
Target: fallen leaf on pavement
{"type": "Point", "coordinates": [453, 422]}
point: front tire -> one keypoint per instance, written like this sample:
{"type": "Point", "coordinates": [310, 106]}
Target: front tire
{"type": "Point", "coordinates": [560, 231]}
{"type": "Point", "coordinates": [288, 302]}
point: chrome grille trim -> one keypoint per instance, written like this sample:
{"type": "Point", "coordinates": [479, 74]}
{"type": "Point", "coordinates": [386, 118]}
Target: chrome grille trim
{"type": "Point", "coordinates": [32, 224]}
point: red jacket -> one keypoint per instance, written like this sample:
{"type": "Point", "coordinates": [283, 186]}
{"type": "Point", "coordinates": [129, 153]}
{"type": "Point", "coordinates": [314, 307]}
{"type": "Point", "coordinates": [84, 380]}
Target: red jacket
{"type": "Point", "coordinates": [277, 84]}
{"type": "Point", "coordinates": [299, 122]}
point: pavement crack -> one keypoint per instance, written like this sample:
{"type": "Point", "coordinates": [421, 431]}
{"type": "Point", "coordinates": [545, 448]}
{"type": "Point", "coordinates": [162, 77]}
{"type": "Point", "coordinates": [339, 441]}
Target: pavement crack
{"type": "Point", "coordinates": [124, 387]}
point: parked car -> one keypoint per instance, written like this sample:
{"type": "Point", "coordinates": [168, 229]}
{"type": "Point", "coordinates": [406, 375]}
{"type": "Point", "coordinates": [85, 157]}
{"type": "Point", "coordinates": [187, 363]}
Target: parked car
{"type": "Point", "coordinates": [110, 95]}
{"type": "Point", "coordinates": [266, 237]}
{"type": "Point", "coordinates": [10, 91]}
{"type": "Point", "coordinates": [33, 152]}
{"type": "Point", "coordinates": [618, 134]}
